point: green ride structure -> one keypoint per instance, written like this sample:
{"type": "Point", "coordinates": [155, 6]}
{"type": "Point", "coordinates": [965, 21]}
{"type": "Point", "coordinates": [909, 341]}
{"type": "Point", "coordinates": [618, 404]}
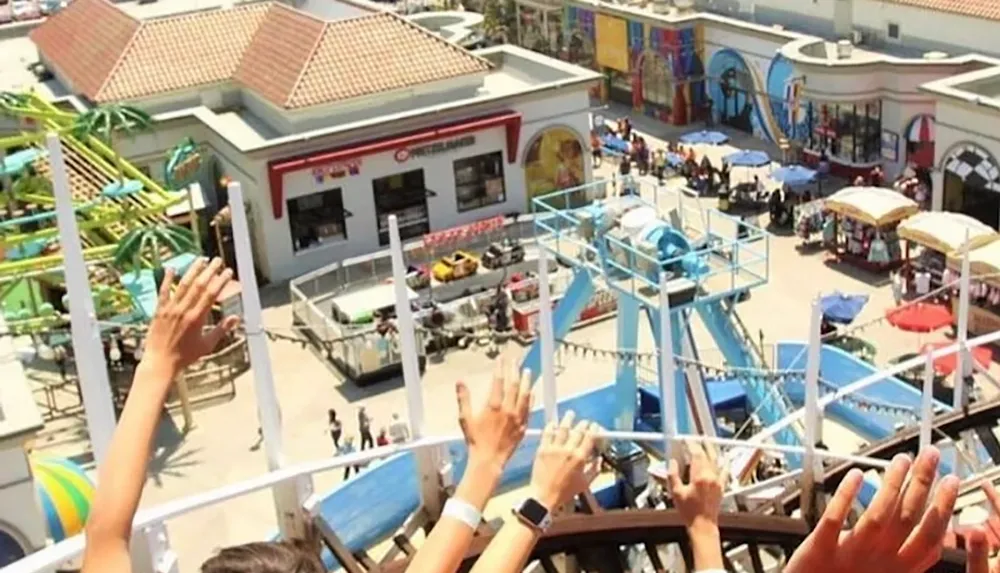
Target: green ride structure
{"type": "Point", "coordinates": [121, 214]}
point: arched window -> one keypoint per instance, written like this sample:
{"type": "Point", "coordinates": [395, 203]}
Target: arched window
{"type": "Point", "coordinates": [657, 87]}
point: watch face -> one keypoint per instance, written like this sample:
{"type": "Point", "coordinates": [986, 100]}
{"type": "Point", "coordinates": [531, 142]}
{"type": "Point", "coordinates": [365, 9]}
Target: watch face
{"type": "Point", "coordinates": [534, 511]}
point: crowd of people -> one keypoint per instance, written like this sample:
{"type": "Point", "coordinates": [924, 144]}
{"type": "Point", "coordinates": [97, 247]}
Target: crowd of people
{"type": "Point", "coordinates": [903, 528]}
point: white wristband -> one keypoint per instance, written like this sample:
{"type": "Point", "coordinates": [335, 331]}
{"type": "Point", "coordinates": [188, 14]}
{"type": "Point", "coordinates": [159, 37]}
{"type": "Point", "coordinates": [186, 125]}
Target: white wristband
{"type": "Point", "coordinates": [462, 511]}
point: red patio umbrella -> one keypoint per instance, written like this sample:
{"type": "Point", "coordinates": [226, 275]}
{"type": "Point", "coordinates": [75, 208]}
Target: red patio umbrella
{"type": "Point", "coordinates": [948, 364]}
{"type": "Point", "coordinates": [919, 317]}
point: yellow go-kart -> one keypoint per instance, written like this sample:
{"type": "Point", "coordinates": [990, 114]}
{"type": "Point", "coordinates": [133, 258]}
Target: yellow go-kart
{"type": "Point", "coordinates": [457, 265]}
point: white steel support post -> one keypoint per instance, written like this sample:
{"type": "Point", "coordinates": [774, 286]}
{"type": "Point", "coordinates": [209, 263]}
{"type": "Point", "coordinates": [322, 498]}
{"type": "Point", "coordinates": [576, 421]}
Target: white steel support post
{"type": "Point", "coordinates": [668, 380]}
{"type": "Point", "coordinates": [813, 416]}
{"type": "Point", "coordinates": [963, 366]}
{"type": "Point", "coordinates": [927, 405]}
{"type": "Point", "coordinates": [548, 342]}
{"type": "Point", "coordinates": [95, 386]}
{"type": "Point", "coordinates": [427, 462]}
{"type": "Point", "coordinates": [288, 496]}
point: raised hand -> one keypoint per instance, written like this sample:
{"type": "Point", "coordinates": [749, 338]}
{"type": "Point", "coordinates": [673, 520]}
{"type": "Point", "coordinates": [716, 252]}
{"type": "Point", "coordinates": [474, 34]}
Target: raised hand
{"type": "Point", "coordinates": [976, 545]}
{"type": "Point", "coordinates": [899, 532]}
{"type": "Point", "coordinates": [558, 472]}
{"type": "Point", "coordinates": [494, 433]}
{"type": "Point", "coordinates": [700, 498]}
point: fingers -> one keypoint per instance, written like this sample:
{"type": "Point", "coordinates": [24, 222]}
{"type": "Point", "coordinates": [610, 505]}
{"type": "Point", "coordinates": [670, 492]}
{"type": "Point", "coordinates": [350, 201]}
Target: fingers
{"type": "Point", "coordinates": [219, 331]}
{"type": "Point", "coordinates": [827, 531]}
{"type": "Point", "coordinates": [911, 508]}
{"type": "Point", "coordinates": [674, 482]}
{"type": "Point", "coordinates": [216, 285]}
{"type": "Point", "coordinates": [524, 395]}
{"type": "Point", "coordinates": [168, 281]}
{"type": "Point", "coordinates": [879, 514]}
{"type": "Point", "coordinates": [189, 277]}
{"type": "Point", "coordinates": [577, 434]}
{"type": "Point", "coordinates": [197, 294]}
{"type": "Point", "coordinates": [511, 385]}
{"type": "Point", "coordinates": [923, 547]}
{"type": "Point", "coordinates": [562, 432]}
{"type": "Point", "coordinates": [496, 386]}
{"type": "Point", "coordinates": [464, 406]}
{"type": "Point", "coordinates": [550, 433]}
{"type": "Point", "coordinates": [977, 552]}
{"type": "Point", "coordinates": [992, 497]}
{"type": "Point", "coordinates": [589, 442]}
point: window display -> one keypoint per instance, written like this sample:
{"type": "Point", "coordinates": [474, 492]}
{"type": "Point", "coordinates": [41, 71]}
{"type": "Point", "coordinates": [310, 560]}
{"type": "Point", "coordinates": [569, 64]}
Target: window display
{"type": "Point", "coordinates": [316, 219]}
{"type": "Point", "coordinates": [479, 181]}
{"type": "Point", "coordinates": [846, 133]}
{"type": "Point", "coordinates": [877, 246]}
{"type": "Point", "coordinates": [405, 196]}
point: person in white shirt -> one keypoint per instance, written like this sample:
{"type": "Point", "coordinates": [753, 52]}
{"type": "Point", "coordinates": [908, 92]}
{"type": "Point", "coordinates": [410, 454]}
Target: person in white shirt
{"type": "Point", "coordinates": [398, 430]}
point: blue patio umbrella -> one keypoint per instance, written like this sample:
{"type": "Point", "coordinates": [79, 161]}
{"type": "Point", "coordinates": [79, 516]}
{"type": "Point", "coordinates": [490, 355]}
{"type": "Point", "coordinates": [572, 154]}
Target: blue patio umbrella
{"type": "Point", "coordinates": [748, 158]}
{"type": "Point", "coordinates": [704, 138]}
{"type": "Point", "coordinates": [794, 175]}
{"type": "Point", "coordinates": [842, 308]}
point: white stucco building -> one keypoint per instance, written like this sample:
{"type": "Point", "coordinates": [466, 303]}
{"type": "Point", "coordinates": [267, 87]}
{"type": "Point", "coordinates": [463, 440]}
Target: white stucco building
{"type": "Point", "coordinates": [331, 125]}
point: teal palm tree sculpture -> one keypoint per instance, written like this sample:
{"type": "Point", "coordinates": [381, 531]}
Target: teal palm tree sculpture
{"type": "Point", "coordinates": [106, 122]}
{"type": "Point", "coordinates": [150, 241]}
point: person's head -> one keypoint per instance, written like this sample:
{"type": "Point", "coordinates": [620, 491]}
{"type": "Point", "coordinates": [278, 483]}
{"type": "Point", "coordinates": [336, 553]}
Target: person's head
{"type": "Point", "coordinates": [395, 416]}
{"type": "Point", "coordinates": [267, 557]}
{"type": "Point", "coordinates": [333, 414]}
{"type": "Point", "coordinates": [381, 432]}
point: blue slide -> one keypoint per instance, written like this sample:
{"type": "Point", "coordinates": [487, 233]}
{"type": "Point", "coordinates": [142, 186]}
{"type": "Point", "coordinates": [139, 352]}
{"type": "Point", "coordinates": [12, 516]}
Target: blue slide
{"type": "Point", "coordinates": [564, 316]}
{"type": "Point", "coordinates": [737, 354]}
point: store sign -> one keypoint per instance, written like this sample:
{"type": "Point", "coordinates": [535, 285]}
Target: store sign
{"type": "Point", "coordinates": [435, 148]}
{"type": "Point", "coordinates": [338, 170]}
{"type": "Point", "coordinates": [183, 165]}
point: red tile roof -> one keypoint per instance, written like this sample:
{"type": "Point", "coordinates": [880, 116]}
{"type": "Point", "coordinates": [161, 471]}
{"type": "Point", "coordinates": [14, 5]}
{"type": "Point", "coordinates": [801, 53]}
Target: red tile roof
{"type": "Point", "coordinates": [288, 57]}
{"type": "Point", "coordinates": [985, 9]}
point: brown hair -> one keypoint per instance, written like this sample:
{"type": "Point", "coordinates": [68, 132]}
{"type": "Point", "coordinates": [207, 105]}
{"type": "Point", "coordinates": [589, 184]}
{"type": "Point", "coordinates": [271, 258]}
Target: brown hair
{"type": "Point", "coordinates": [293, 556]}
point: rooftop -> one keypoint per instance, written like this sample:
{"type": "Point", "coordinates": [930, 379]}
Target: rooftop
{"type": "Point", "coordinates": [984, 9]}
{"type": "Point", "coordinates": [290, 58]}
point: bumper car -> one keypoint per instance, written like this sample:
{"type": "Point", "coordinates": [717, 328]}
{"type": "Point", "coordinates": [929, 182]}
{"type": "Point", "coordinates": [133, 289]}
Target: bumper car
{"type": "Point", "coordinates": [502, 254]}
{"type": "Point", "coordinates": [417, 277]}
{"type": "Point", "coordinates": [455, 266]}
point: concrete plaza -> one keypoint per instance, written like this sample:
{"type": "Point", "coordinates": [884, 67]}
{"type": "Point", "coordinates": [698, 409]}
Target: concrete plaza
{"type": "Point", "coordinates": [223, 446]}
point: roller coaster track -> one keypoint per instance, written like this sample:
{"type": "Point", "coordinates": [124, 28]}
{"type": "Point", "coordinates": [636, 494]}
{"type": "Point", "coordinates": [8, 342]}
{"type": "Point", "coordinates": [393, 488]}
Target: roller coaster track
{"type": "Point", "coordinates": [907, 441]}
{"type": "Point", "coordinates": [592, 538]}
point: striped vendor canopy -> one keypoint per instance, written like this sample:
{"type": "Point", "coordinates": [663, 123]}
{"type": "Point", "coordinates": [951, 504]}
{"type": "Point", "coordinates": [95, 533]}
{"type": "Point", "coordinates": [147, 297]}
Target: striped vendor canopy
{"type": "Point", "coordinates": [64, 492]}
{"type": "Point", "coordinates": [463, 232]}
{"type": "Point", "coordinates": [921, 129]}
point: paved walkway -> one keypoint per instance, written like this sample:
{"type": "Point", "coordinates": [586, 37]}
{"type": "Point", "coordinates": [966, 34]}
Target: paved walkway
{"type": "Point", "coordinates": [223, 447]}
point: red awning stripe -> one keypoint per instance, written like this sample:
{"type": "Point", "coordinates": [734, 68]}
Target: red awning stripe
{"type": "Point", "coordinates": [279, 167]}
{"type": "Point", "coordinates": [921, 129]}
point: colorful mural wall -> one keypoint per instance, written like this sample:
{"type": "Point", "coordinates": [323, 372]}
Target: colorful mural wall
{"type": "Point", "coordinates": [553, 161]}
{"type": "Point", "coordinates": [660, 70]}
{"type": "Point", "coordinates": [742, 98]}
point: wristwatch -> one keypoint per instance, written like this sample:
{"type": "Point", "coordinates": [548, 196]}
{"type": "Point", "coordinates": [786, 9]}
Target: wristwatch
{"type": "Point", "coordinates": [533, 514]}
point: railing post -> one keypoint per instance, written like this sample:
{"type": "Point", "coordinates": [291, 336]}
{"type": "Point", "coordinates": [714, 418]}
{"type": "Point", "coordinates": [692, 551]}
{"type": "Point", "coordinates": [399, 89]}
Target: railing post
{"type": "Point", "coordinates": [962, 368]}
{"type": "Point", "coordinates": [547, 339]}
{"type": "Point", "coordinates": [927, 404]}
{"type": "Point", "coordinates": [813, 417]}
{"type": "Point", "coordinates": [88, 349]}
{"type": "Point", "coordinates": [668, 380]}
{"type": "Point", "coordinates": [290, 495]}
{"type": "Point", "coordinates": [427, 463]}
{"type": "Point", "coordinates": [151, 551]}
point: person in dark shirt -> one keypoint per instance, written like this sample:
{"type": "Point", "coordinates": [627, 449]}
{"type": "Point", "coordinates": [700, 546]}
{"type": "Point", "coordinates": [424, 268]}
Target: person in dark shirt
{"type": "Point", "coordinates": [365, 428]}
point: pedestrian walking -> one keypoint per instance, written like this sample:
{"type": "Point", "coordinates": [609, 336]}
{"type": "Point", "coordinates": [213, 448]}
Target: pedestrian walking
{"type": "Point", "coordinates": [336, 427]}
{"type": "Point", "coordinates": [345, 449]}
{"type": "Point", "coordinates": [365, 429]}
{"type": "Point", "coordinates": [398, 430]}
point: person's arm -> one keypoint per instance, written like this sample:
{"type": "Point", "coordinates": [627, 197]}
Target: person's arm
{"type": "Point", "coordinates": [557, 475]}
{"type": "Point", "coordinates": [174, 340]}
{"type": "Point", "coordinates": [491, 437]}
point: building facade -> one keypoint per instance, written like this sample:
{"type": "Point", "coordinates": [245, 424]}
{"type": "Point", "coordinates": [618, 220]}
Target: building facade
{"type": "Point", "coordinates": [847, 101]}
{"type": "Point", "coordinates": [347, 133]}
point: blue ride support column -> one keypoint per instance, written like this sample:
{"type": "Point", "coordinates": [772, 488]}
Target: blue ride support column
{"type": "Point", "coordinates": [626, 378]}
{"type": "Point", "coordinates": [564, 316]}
{"type": "Point", "coordinates": [682, 415]}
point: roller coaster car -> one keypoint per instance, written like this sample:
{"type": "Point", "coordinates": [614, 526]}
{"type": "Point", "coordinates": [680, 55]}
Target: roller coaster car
{"type": "Point", "coordinates": [458, 265]}
{"type": "Point", "coordinates": [505, 253]}
{"type": "Point", "coordinates": [417, 277]}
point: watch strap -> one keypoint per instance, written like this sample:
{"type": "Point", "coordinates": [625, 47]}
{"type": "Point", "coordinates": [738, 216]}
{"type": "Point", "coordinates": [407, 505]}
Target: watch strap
{"type": "Point", "coordinates": [462, 511]}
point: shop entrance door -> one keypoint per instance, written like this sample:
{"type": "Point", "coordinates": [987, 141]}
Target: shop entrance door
{"type": "Point", "coordinates": [982, 204]}
{"type": "Point", "coordinates": [405, 196]}
{"type": "Point", "coordinates": [737, 106]}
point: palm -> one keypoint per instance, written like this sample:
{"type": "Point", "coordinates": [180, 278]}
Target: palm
{"type": "Point", "coordinates": [151, 241]}
{"type": "Point", "coordinates": [106, 121]}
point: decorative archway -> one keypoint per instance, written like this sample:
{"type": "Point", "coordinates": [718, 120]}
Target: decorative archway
{"type": "Point", "coordinates": [971, 182]}
{"type": "Point", "coordinates": [554, 159]}
{"type": "Point", "coordinates": [13, 546]}
{"type": "Point", "coordinates": [655, 81]}
{"type": "Point", "coordinates": [919, 141]}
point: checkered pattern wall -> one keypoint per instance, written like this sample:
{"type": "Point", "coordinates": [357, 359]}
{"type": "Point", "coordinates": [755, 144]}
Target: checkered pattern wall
{"type": "Point", "coordinates": [975, 166]}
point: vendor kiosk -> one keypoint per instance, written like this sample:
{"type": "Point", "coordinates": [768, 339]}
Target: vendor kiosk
{"type": "Point", "coordinates": [984, 286]}
{"type": "Point", "coordinates": [863, 230]}
{"type": "Point", "coordinates": [933, 235]}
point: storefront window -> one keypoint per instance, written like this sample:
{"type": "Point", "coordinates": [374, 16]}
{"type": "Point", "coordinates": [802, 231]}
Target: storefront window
{"type": "Point", "coordinates": [847, 133]}
{"type": "Point", "coordinates": [405, 196]}
{"type": "Point", "coordinates": [316, 219]}
{"type": "Point", "coordinates": [479, 181]}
